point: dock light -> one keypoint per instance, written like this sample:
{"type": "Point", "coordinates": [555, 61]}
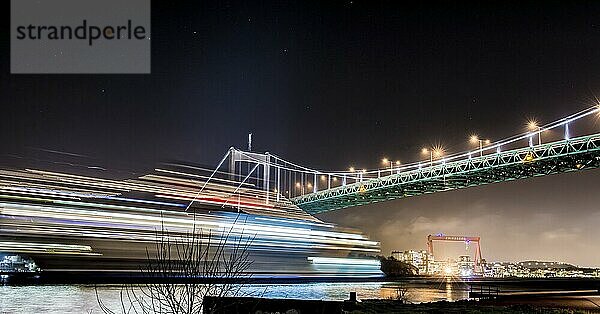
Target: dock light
{"type": "Point", "coordinates": [424, 151]}
{"type": "Point", "coordinates": [309, 185]}
{"type": "Point", "coordinates": [334, 179]}
{"type": "Point", "coordinates": [397, 162]}
{"type": "Point", "coordinates": [352, 169]}
{"type": "Point", "coordinates": [364, 171]}
{"type": "Point", "coordinates": [385, 161]}
{"type": "Point", "coordinates": [448, 270]}
{"type": "Point", "coordinates": [297, 184]}
{"type": "Point", "coordinates": [323, 177]}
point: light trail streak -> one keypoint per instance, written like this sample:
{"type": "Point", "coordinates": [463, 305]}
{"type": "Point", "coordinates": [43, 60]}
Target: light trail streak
{"type": "Point", "coordinates": [43, 214]}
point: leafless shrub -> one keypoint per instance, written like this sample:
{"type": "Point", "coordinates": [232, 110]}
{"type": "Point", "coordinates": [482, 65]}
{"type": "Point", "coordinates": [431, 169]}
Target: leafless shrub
{"type": "Point", "coordinates": [402, 292]}
{"type": "Point", "coordinates": [183, 268]}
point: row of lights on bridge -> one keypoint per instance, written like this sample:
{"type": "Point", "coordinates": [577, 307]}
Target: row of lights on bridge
{"type": "Point", "coordinates": [438, 151]}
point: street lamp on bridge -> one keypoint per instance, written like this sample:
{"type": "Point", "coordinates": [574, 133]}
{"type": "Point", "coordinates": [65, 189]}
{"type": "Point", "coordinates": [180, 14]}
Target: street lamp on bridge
{"type": "Point", "coordinates": [386, 161]}
{"type": "Point", "coordinates": [433, 152]}
{"type": "Point", "coordinates": [474, 139]}
{"type": "Point", "coordinates": [533, 125]}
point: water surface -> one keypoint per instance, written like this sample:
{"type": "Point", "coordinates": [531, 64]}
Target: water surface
{"type": "Point", "coordinates": [82, 298]}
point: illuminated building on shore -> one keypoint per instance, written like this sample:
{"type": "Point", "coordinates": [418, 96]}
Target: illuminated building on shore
{"type": "Point", "coordinates": [538, 269]}
{"type": "Point", "coordinates": [420, 259]}
{"type": "Point", "coordinates": [465, 266]}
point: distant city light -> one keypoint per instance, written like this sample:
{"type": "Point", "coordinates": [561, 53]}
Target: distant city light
{"type": "Point", "coordinates": [448, 270]}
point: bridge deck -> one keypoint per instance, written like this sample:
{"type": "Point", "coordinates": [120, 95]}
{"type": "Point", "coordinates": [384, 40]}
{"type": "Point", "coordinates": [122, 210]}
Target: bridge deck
{"type": "Point", "coordinates": [575, 154]}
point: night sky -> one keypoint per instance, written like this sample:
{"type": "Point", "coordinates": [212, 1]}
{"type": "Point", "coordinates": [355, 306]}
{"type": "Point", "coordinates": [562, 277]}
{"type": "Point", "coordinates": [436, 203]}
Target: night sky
{"type": "Point", "coordinates": [338, 83]}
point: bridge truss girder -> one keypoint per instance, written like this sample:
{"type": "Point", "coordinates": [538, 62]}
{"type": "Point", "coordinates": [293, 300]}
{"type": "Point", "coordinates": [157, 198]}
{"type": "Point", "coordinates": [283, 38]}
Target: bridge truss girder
{"type": "Point", "coordinates": [575, 154]}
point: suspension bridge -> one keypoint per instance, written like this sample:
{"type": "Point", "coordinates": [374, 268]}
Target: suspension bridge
{"type": "Point", "coordinates": [517, 157]}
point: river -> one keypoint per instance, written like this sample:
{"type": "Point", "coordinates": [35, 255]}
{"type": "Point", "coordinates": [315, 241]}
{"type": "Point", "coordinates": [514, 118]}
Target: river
{"type": "Point", "coordinates": [82, 298]}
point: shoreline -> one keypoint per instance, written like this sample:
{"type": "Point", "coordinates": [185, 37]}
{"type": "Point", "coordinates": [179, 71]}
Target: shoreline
{"type": "Point", "coordinates": [224, 305]}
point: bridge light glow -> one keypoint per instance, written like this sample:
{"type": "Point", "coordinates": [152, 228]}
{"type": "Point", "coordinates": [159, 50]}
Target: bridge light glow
{"type": "Point", "coordinates": [474, 139]}
{"type": "Point", "coordinates": [438, 151]}
{"type": "Point", "coordinates": [532, 124]}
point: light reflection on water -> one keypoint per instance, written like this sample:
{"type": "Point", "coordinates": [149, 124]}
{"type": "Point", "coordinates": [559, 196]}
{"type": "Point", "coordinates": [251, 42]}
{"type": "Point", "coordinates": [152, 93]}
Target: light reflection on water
{"type": "Point", "coordinates": [82, 299]}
